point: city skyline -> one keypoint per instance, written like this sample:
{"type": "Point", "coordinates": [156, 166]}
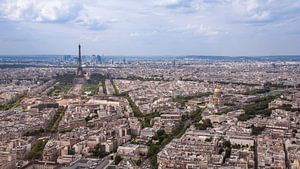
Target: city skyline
{"type": "Point", "coordinates": [151, 84]}
{"type": "Point", "coordinates": [170, 27]}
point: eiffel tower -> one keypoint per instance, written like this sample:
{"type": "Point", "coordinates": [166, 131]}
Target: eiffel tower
{"type": "Point", "coordinates": [79, 79]}
{"type": "Point", "coordinates": [79, 72]}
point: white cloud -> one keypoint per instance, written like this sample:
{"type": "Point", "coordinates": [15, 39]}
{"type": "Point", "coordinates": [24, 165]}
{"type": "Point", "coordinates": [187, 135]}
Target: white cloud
{"type": "Point", "coordinates": [264, 15]}
{"type": "Point", "coordinates": [39, 10]}
{"type": "Point", "coordinates": [182, 5]}
{"type": "Point", "coordinates": [249, 5]}
{"type": "Point", "coordinates": [130, 23]}
{"type": "Point", "coordinates": [255, 11]}
{"type": "Point", "coordinates": [167, 2]}
{"type": "Point", "coordinates": [201, 29]}
{"type": "Point", "coordinates": [135, 34]}
{"type": "Point", "coordinates": [95, 23]}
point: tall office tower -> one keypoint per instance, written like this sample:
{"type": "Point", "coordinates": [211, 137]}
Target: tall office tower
{"type": "Point", "coordinates": [66, 58]}
{"type": "Point", "coordinates": [174, 63]}
{"type": "Point", "coordinates": [99, 59]}
{"type": "Point", "coordinates": [93, 59]}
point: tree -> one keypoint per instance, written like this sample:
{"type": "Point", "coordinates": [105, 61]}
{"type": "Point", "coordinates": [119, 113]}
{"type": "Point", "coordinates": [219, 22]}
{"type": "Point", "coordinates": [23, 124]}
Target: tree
{"type": "Point", "coordinates": [118, 159]}
{"type": "Point", "coordinates": [204, 125]}
{"type": "Point", "coordinates": [138, 162]}
{"type": "Point", "coordinates": [37, 149]}
{"type": "Point", "coordinates": [153, 161]}
{"type": "Point", "coordinates": [147, 122]}
{"type": "Point", "coordinates": [287, 107]}
{"type": "Point", "coordinates": [227, 152]}
{"type": "Point", "coordinates": [98, 152]}
{"type": "Point", "coordinates": [197, 115]}
{"type": "Point", "coordinates": [226, 143]}
{"type": "Point", "coordinates": [209, 139]}
{"type": "Point", "coordinates": [221, 150]}
{"type": "Point", "coordinates": [257, 130]}
{"type": "Point", "coordinates": [71, 151]}
{"type": "Point", "coordinates": [153, 149]}
{"type": "Point", "coordinates": [161, 135]}
{"type": "Point", "coordinates": [34, 132]}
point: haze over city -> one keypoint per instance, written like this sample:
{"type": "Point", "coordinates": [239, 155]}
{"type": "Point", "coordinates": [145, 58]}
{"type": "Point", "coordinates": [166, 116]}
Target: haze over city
{"type": "Point", "coordinates": [150, 27]}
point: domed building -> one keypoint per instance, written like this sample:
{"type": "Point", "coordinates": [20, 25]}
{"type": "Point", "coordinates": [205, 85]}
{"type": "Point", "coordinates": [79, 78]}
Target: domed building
{"type": "Point", "coordinates": [216, 99]}
{"type": "Point", "coordinates": [215, 104]}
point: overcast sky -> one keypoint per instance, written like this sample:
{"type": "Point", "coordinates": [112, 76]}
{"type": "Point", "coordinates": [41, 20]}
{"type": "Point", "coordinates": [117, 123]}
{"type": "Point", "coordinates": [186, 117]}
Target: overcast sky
{"type": "Point", "coordinates": [150, 27]}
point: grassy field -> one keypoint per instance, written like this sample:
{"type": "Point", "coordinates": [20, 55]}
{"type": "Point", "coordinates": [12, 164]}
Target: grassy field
{"type": "Point", "coordinates": [96, 80]}
{"type": "Point", "coordinates": [259, 107]}
{"type": "Point", "coordinates": [90, 88]}
{"type": "Point", "coordinates": [12, 104]}
{"type": "Point", "coordinates": [65, 84]}
{"type": "Point", "coordinates": [37, 149]}
{"type": "Point", "coordinates": [53, 125]}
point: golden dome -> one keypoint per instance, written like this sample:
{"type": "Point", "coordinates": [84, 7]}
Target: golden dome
{"type": "Point", "coordinates": [217, 89]}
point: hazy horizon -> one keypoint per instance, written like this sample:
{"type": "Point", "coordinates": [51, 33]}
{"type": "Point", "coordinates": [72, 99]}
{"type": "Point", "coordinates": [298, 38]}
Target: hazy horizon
{"type": "Point", "coordinates": [158, 55]}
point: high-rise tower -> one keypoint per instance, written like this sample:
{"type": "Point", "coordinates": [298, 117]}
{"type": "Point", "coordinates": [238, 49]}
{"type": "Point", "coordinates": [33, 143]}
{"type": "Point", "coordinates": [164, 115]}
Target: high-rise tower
{"type": "Point", "coordinates": [79, 69]}
{"type": "Point", "coordinates": [79, 79]}
{"type": "Point", "coordinates": [99, 59]}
